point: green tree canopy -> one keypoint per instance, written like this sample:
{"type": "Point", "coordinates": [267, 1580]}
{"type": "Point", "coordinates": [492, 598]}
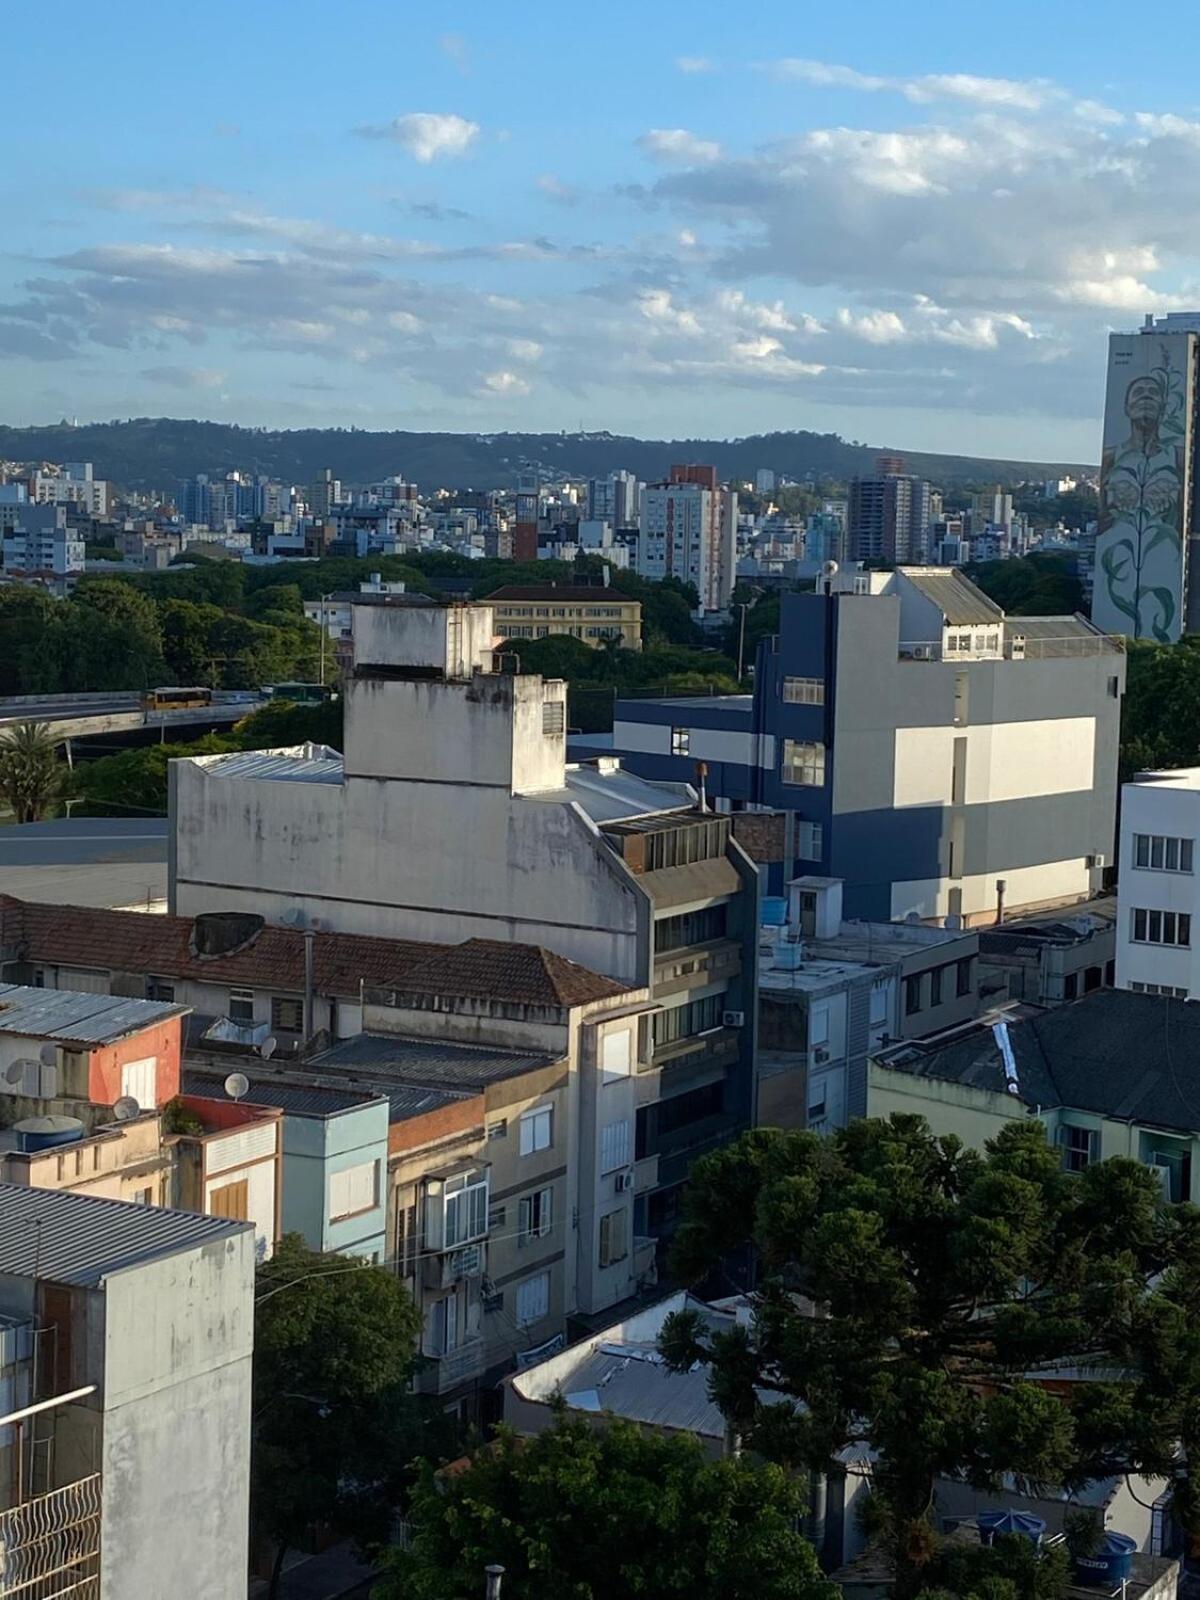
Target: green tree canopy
{"type": "Point", "coordinates": [608, 1513]}
{"type": "Point", "coordinates": [1031, 586]}
{"type": "Point", "coordinates": [335, 1428]}
{"type": "Point", "coordinates": [31, 773]}
{"type": "Point", "coordinates": [944, 1279]}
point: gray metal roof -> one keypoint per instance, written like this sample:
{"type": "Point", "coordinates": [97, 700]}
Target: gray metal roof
{"type": "Point", "coordinates": [278, 766]}
{"type": "Point", "coordinates": [79, 1239]}
{"type": "Point", "coordinates": [293, 1099]}
{"type": "Point", "coordinates": [609, 796]}
{"type": "Point", "coordinates": [955, 596]}
{"type": "Point", "coordinates": [78, 1018]}
{"type": "Point", "coordinates": [392, 1058]}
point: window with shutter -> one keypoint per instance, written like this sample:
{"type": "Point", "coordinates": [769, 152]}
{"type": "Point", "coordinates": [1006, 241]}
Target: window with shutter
{"type": "Point", "coordinates": [533, 1299]}
{"type": "Point", "coordinates": [232, 1201]}
{"type": "Point", "coordinates": [614, 1231]}
{"type": "Point", "coordinates": [353, 1190]}
{"type": "Point", "coordinates": [614, 1146]}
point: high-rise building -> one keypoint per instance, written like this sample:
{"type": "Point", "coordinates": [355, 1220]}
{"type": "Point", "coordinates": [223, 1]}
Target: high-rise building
{"type": "Point", "coordinates": [1158, 903]}
{"type": "Point", "coordinates": [764, 481]}
{"type": "Point", "coordinates": [323, 494]}
{"type": "Point", "coordinates": [614, 499]}
{"type": "Point", "coordinates": [1148, 522]}
{"type": "Point", "coordinates": [687, 532]}
{"type": "Point", "coordinates": [888, 515]}
{"type": "Point", "coordinates": [528, 510]}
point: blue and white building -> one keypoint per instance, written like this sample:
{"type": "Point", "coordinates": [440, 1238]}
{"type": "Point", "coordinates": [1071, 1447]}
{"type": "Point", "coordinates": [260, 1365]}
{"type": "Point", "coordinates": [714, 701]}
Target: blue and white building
{"type": "Point", "coordinates": [939, 757]}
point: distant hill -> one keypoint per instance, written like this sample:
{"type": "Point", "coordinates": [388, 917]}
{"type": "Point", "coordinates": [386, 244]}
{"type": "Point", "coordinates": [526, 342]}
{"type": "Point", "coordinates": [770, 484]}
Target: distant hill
{"type": "Point", "coordinates": [157, 452]}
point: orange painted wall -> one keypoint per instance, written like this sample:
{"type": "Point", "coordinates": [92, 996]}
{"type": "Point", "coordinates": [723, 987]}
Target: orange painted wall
{"type": "Point", "coordinates": [164, 1040]}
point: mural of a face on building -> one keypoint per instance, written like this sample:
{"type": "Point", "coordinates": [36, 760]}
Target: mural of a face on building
{"type": "Point", "coordinates": [1138, 550]}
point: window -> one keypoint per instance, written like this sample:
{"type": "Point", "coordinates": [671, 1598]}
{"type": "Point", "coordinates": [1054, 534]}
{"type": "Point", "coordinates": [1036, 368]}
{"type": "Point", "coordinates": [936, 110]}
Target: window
{"type": "Point", "coordinates": [533, 1299]}
{"type": "Point", "coordinates": [1162, 927]}
{"type": "Point", "coordinates": [691, 927]}
{"type": "Point", "coordinates": [536, 1215]}
{"type": "Point", "coordinates": [879, 1004]}
{"type": "Point", "coordinates": [1114, 688]}
{"type": "Point", "coordinates": [1162, 853]}
{"type": "Point", "coordinates": [1071, 986]}
{"type": "Point", "coordinates": [287, 1016]}
{"type": "Point", "coordinates": [993, 641]}
{"type": "Point", "coordinates": [614, 1238]}
{"type": "Point", "coordinates": [935, 986]}
{"type": "Point", "coordinates": [159, 988]}
{"type": "Point", "coordinates": [1079, 1146]}
{"type": "Point", "coordinates": [810, 840]}
{"type": "Point", "coordinates": [962, 976]}
{"type": "Point", "coordinates": [683, 1022]}
{"type": "Point", "coordinates": [912, 994]}
{"type": "Point", "coordinates": [443, 1326]}
{"type": "Point", "coordinates": [353, 1190]}
{"type": "Point", "coordinates": [139, 1080]}
{"type": "Point", "coordinates": [803, 764]}
{"type": "Point", "coordinates": [681, 739]}
{"type": "Point", "coordinates": [614, 1146]}
{"type": "Point", "coordinates": [232, 1201]}
{"type": "Point", "coordinates": [466, 1200]}
{"type": "Point", "coordinates": [241, 1005]}
{"type": "Point", "coordinates": [145, 1197]}
{"type": "Point", "coordinates": [804, 691]}
{"type": "Point", "coordinates": [498, 1129]}
{"type": "Point", "coordinates": [553, 717]}
{"type": "Point", "coordinates": [818, 1025]}
{"type": "Point", "coordinates": [497, 1216]}
{"type": "Point", "coordinates": [537, 1130]}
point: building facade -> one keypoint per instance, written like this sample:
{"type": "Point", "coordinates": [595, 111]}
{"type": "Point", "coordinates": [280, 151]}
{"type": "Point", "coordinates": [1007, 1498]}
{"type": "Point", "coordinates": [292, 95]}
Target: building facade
{"type": "Point", "coordinates": [455, 817]}
{"type": "Point", "coordinates": [1148, 525]}
{"type": "Point", "coordinates": [941, 758]}
{"type": "Point", "coordinates": [41, 540]}
{"type": "Point", "coordinates": [688, 527]}
{"type": "Point", "coordinates": [595, 614]}
{"type": "Point", "coordinates": [888, 516]}
{"type": "Point", "coordinates": [1157, 899]}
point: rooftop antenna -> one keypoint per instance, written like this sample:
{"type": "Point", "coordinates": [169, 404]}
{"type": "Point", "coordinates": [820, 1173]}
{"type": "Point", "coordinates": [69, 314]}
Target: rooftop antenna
{"type": "Point", "coordinates": [237, 1085]}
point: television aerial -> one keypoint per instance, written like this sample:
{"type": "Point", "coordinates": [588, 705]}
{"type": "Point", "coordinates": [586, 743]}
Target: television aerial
{"type": "Point", "coordinates": [237, 1084]}
{"type": "Point", "coordinates": [126, 1107]}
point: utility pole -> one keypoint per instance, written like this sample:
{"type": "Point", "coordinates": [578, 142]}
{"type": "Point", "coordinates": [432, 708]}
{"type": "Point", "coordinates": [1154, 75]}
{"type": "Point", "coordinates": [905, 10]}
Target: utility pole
{"type": "Point", "coordinates": [742, 604]}
{"type": "Point", "coordinates": [324, 616]}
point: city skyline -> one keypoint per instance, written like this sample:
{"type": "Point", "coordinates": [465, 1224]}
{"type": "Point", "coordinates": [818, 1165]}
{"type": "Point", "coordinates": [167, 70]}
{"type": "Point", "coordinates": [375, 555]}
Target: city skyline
{"type": "Point", "coordinates": [658, 224]}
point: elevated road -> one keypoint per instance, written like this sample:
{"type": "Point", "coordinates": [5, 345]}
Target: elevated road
{"type": "Point", "coordinates": [83, 715]}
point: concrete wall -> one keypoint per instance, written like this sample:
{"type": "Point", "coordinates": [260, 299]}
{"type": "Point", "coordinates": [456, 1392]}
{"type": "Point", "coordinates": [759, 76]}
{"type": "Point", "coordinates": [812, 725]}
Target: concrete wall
{"type": "Point", "coordinates": [178, 1334]}
{"type": "Point", "coordinates": [1173, 811]}
{"type": "Point", "coordinates": [314, 1148]}
{"type": "Point", "coordinates": [974, 1115]}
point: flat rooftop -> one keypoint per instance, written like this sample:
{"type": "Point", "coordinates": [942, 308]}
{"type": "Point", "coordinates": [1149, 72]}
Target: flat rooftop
{"type": "Point", "coordinates": [70, 1018]}
{"type": "Point", "coordinates": [87, 861]}
{"type": "Point", "coordinates": [79, 1239]}
{"type": "Point", "coordinates": [1170, 777]}
{"type": "Point", "coordinates": [389, 1059]}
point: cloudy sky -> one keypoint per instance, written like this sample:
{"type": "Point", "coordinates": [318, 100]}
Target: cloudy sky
{"type": "Point", "coordinates": [912, 226]}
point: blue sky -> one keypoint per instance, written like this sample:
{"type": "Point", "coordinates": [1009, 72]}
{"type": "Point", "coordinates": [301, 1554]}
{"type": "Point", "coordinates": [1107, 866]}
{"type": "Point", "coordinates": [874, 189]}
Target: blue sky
{"type": "Point", "coordinates": [910, 228]}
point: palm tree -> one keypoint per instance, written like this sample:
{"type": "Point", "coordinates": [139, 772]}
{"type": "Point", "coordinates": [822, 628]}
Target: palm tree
{"type": "Point", "coordinates": [31, 775]}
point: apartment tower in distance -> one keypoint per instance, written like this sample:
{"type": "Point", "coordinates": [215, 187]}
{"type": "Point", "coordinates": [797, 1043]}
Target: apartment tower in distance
{"type": "Point", "coordinates": [688, 526]}
{"type": "Point", "coordinates": [889, 515]}
{"type": "Point", "coordinates": [1147, 530]}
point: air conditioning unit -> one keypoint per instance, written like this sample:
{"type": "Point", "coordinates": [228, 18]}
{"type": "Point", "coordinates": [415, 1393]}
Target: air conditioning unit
{"type": "Point", "coordinates": [1097, 859]}
{"type": "Point", "coordinates": [733, 1019]}
{"type": "Point", "coordinates": [1018, 647]}
{"type": "Point", "coordinates": [623, 1183]}
{"type": "Point", "coordinates": [922, 652]}
{"type": "Point", "coordinates": [820, 1055]}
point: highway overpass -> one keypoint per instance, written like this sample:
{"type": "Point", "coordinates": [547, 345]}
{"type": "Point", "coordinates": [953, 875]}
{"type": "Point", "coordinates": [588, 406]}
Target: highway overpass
{"type": "Point", "coordinates": [80, 716]}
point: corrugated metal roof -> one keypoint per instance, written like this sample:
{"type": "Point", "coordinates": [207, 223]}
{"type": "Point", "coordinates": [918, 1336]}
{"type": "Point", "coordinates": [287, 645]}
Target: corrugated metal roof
{"type": "Point", "coordinates": [955, 596]}
{"type": "Point", "coordinates": [293, 1099]}
{"type": "Point", "coordinates": [700, 880]}
{"type": "Point", "coordinates": [609, 796]}
{"type": "Point", "coordinates": [438, 1065]}
{"type": "Point", "coordinates": [79, 1018]}
{"type": "Point", "coordinates": [78, 1239]}
{"type": "Point", "coordinates": [279, 766]}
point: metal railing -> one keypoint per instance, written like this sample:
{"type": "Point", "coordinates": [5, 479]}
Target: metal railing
{"type": "Point", "coordinates": [50, 1546]}
{"type": "Point", "coordinates": [1015, 646]}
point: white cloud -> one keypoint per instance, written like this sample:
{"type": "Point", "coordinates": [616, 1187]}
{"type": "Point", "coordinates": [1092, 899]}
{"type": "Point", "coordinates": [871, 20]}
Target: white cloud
{"type": "Point", "coordinates": [427, 135]}
{"type": "Point", "coordinates": [505, 383]}
{"type": "Point", "coordinates": [1019, 94]}
{"type": "Point", "coordinates": [678, 146]}
{"type": "Point", "coordinates": [692, 64]}
{"type": "Point", "coordinates": [876, 327]}
{"type": "Point", "coordinates": [525, 349]}
{"type": "Point", "coordinates": [555, 189]}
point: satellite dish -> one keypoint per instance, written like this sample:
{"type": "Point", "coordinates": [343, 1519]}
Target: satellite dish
{"type": "Point", "coordinates": [268, 1047]}
{"type": "Point", "coordinates": [237, 1084]}
{"type": "Point", "coordinates": [16, 1070]}
{"type": "Point", "coordinates": [295, 917]}
{"type": "Point", "coordinates": [48, 1055]}
{"type": "Point", "coordinates": [126, 1107]}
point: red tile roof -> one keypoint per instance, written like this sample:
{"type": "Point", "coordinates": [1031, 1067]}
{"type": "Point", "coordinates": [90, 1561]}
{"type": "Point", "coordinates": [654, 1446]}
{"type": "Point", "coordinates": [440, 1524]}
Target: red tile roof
{"type": "Point", "coordinates": [273, 957]}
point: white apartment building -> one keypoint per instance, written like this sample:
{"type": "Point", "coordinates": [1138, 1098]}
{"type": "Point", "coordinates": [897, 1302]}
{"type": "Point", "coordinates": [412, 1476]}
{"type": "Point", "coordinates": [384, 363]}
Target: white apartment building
{"type": "Point", "coordinates": [72, 485]}
{"type": "Point", "coordinates": [687, 532]}
{"type": "Point", "coordinates": [39, 540]}
{"type": "Point", "coordinates": [1158, 901]}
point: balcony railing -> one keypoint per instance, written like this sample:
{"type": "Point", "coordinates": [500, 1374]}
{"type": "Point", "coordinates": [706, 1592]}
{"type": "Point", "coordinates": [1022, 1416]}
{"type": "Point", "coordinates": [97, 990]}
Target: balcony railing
{"type": "Point", "coordinates": [1016, 647]}
{"type": "Point", "coordinates": [50, 1546]}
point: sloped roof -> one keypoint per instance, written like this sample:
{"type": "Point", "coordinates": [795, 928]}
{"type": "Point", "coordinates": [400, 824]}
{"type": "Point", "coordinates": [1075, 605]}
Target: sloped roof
{"type": "Point", "coordinates": [956, 597]}
{"type": "Point", "coordinates": [530, 974]}
{"type": "Point", "coordinates": [1132, 1057]}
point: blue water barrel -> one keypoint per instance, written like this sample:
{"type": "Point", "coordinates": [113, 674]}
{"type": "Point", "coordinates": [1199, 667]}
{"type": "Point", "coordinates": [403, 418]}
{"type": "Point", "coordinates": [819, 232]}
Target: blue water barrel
{"type": "Point", "coordinates": [43, 1133]}
{"type": "Point", "coordinates": [774, 910]}
{"type": "Point", "coordinates": [991, 1523]}
{"type": "Point", "coordinates": [1110, 1564]}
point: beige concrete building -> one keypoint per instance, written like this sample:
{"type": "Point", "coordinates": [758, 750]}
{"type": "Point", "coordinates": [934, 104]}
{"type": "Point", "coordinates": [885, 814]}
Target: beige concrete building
{"type": "Point", "coordinates": [594, 614]}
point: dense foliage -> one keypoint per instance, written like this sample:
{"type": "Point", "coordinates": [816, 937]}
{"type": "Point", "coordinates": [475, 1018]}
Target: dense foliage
{"type": "Point", "coordinates": [1031, 586]}
{"type": "Point", "coordinates": [946, 1279]}
{"type": "Point", "coordinates": [335, 1428]}
{"type": "Point", "coordinates": [31, 774]}
{"type": "Point", "coordinates": [611, 1513]}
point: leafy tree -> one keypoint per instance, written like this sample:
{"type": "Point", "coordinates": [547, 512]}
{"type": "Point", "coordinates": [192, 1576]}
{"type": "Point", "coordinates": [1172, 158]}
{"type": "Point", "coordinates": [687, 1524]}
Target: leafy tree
{"type": "Point", "coordinates": [1031, 586]}
{"type": "Point", "coordinates": [1160, 716]}
{"type": "Point", "coordinates": [187, 628]}
{"type": "Point", "coordinates": [943, 1278]}
{"type": "Point", "coordinates": [31, 774]}
{"type": "Point", "coordinates": [334, 1428]}
{"type": "Point", "coordinates": [135, 781]}
{"type": "Point", "coordinates": [610, 1513]}
{"type": "Point", "coordinates": [282, 723]}
{"type": "Point", "coordinates": [25, 615]}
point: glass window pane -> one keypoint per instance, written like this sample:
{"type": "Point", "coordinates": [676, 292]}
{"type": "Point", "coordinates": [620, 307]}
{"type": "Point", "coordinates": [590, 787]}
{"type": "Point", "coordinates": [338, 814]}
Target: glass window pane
{"type": "Point", "coordinates": [1185, 855]}
{"type": "Point", "coordinates": [1156, 851]}
{"type": "Point", "coordinates": [1141, 849]}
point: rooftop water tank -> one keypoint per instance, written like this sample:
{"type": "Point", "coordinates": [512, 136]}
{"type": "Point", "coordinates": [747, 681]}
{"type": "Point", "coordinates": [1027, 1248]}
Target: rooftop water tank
{"type": "Point", "coordinates": [1108, 1565]}
{"type": "Point", "coordinates": [991, 1523]}
{"type": "Point", "coordinates": [43, 1133]}
{"type": "Point", "coordinates": [774, 910]}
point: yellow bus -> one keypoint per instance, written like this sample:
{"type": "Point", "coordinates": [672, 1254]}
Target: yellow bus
{"type": "Point", "coordinates": [177, 699]}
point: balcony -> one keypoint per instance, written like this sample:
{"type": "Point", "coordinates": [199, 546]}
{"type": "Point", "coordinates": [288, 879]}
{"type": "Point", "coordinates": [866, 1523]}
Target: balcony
{"type": "Point", "coordinates": [444, 1373]}
{"type": "Point", "coordinates": [50, 1545]}
{"type": "Point", "coordinates": [448, 1267]}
